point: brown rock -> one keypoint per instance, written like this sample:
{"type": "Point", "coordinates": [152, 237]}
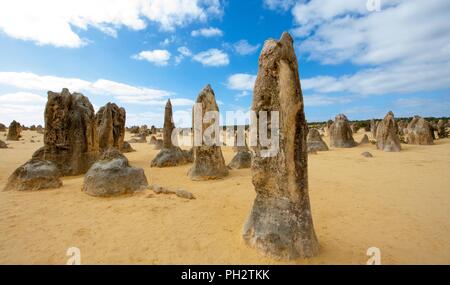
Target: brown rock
{"type": "Point", "coordinates": [373, 128]}
{"type": "Point", "coordinates": [3, 144]}
{"type": "Point", "coordinates": [387, 134]}
{"type": "Point", "coordinates": [14, 131]}
{"type": "Point", "coordinates": [208, 160]}
{"type": "Point", "coordinates": [315, 142]}
{"type": "Point", "coordinates": [70, 139]}
{"type": "Point", "coordinates": [364, 140]}
{"type": "Point", "coordinates": [111, 126]}
{"type": "Point", "coordinates": [126, 147]}
{"type": "Point", "coordinates": [367, 154]}
{"type": "Point", "coordinates": [340, 133]}
{"type": "Point", "coordinates": [242, 159]}
{"type": "Point", "coordinates": [36, 174]}
{"type": "Point", "coordinates": [280, 223]}
{"type": "Point", "coordinates": [419, 132]}
{"type": "Point", "coordinates": [2, 128]}
{"type": "Point", "coordinates": [441, 129]}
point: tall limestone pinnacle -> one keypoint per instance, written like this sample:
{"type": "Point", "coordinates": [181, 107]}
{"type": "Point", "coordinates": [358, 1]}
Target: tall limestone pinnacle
{"type": "Point", "coordinates": [170, 155]}
{"type": "Point", "coordinates": [208, 159]}
{"type": "Point", "coordinates": [280, 223]}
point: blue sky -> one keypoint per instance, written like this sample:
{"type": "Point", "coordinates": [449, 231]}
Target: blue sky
{"type": "Point", "coordinates": [138, 53]}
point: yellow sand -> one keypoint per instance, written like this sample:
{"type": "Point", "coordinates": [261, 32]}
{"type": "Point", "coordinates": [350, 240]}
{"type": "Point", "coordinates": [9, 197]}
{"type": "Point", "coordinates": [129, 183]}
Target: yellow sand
{"type": "Point", "coordinates": [398, 202]}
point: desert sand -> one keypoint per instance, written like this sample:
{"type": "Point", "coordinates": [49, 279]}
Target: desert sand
{"type": "Point", "coordinates": [398, 202]}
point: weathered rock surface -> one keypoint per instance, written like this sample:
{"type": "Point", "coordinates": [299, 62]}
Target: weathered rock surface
{"type": "Point", "coordinates": [441, 129]}
{"type": "Point", "coordinates": [387, 134]}
{"type": "Point", "coordinates": [364, 140]}
{"type": "Point", "coordinates": [34, 175]}
{"type": "Point", "coordinates": [14, 131]}
{"type": "Point", "coordinates": [2, 128]}
{"type": "Point", "coordinates": [280, 222]}
{"type": "Point", "coordinates": [170, 155]}
{"type": "Point", "coordinates": [112, 175]}
{"type": "Point", "coordinates": [111, 126]}
{"type": "Point", "coordinates": [70, 139]}
{"type": "Point", "coordinates": [340, 133]}
{"type": "Point", "coordinates": [126, 147]}
{"type": "Point", "coordinates": [419, 132]}
{"type": "Point", "coordinates": [208, 160]}
{"type": "Point", "coordinates": [373, 128]}
{"type": "Point", "coordinates": [242, 159]}
{"type": "Point", "coordinates": [3, 144]}
{"type": "Point", "coordinates": [315, 141]}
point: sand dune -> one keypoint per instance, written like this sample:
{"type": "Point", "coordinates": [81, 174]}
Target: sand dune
{"type": "Point", "coordinates": [398, 202]}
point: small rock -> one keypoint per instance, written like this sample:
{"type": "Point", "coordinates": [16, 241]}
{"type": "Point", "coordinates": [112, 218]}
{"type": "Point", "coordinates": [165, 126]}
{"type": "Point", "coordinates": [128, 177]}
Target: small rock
{"type": "Point", "coordinates": [366, 154]}
{"type": "Point", "coordinates": [185, 194]}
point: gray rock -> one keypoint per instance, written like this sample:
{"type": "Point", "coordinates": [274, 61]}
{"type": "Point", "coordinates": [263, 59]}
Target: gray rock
{"type": "Point", "coordinates": [280, 222]}
{"type": "Point", "coordinates": [387, 134]}
{"type": "Point", "coordinates": [184, 194]}
{"type": "Point", "coordinates": [113, 176]}
{"type": "Point", "coordinates": [34, 175]}
{"type": "Point", "coordinates": [441, 129]}
{"type": "Point", "coordinates": [315, 142]}
{"type": "Point", "coordinates": [341, 135]}
{"type": "Point", "coordinates": [126, 147]}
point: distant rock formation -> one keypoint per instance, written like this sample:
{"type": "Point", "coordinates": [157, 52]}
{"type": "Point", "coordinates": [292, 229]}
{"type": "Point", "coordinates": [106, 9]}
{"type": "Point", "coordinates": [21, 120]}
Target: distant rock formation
{"type": "Point", "coordinates": [3, 144]}
{"type": "Point", "coordinates": [208, 160]}
{"type": "Point", "coordinates": [373, 128]}
{"type": "Point", "coordinates": [242, 159]}
{"type": "Point", "coordinates": [387, 134]}
{"type": "Point", "coordinates": [364, 140]}
{"type": "Point", "coordinates": [419, 132]}
{"type": "Point", "coordinates": [126, 147]}
{"type": "Point", "coordinates": [280, 222]}
{"type": "Point", "coordinates": [14, 131]}
{"type": "Point", "coordinates": [112, 175]}
{"type": "Point", "coordinates": [315, 142]}
{"type": "Point", "coordinates": [170, 155]}
{"type": "Point", "coordinates": [70, 139]}
{"type": "Point", "coordinates": [34, 175]}
{"type": "Point", "coordinates": [111, 126]}
{"type": "Point", "coordinates": [441, 129]}
{"type": "Point", "coordinates": [341, 134]}
{"type": "Point", "coordinates": [2, 128]}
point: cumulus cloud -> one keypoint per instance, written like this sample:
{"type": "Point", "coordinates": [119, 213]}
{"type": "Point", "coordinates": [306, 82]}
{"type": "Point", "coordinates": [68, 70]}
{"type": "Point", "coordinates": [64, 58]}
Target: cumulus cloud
{"type": "Point", "coordinates": [282, 5]}
{"type": "Point", "coordinates": [26, 106]}
{"type": "Point", "coordinates": [241, 82]}
{"type": "Point", "coordinates": [52, 22]}
{"type": "Point", "coordinates": [43, 83]}
{"type": "Point", "coordinates": [207, 32]}
{"type": "Point", "coordinates": [158, 56]}
{"type": "Point", "coordinates": [212, 57]}
{"type": "Point", "coordinates": [399, 49]}
{"type": "Point", "coordinates": [243, 47]}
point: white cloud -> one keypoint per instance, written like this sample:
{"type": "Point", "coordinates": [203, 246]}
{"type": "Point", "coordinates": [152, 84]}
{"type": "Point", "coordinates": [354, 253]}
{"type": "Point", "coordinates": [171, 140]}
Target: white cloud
{"type": "Point", "coordinates": [121, 91]}
{"type": "Point", "coordinates": [282, 5]}
{"type": "Point", "coordinates": [243, 47]}
{"type": "Point", "coordinates": [158, 56]}
{"type": "Point", "coordinates": [324, 100]}
{"type": "Point", "coordinates": [403, 48]}
{"type": "Point", "coordinates": [27, 108]}
{"type": "Point", "coordinates": [167, 41]}
{"type": "Point", "coordinates": [52, 22]}
{"type": "Point", "coordinates": [212, 57]}
{"type": "Point", "coordinates": [184, 51]}
{"type": "Point", "coordinates": [207, 32]}
{"type": "Point", "coordinates": [241, 82]}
